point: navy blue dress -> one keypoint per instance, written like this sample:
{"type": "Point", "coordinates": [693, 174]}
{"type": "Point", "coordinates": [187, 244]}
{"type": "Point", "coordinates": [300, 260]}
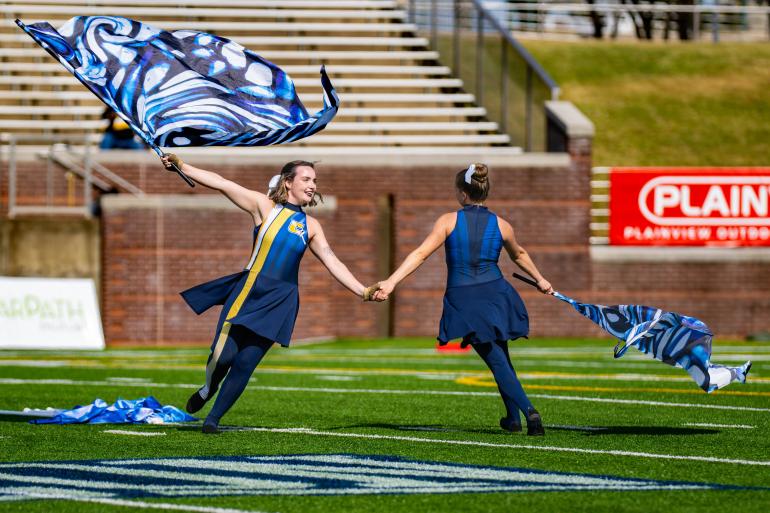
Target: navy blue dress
{"type": "Point", "coordinates": [479, 304]}
{"type": "Point", "coordinates": [264, 297]}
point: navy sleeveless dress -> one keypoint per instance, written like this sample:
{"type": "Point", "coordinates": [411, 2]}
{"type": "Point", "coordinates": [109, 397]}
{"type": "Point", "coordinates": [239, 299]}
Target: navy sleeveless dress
{"type": "Point", "coordinates": [479, 304]}
{"type": "Point", "coordinates": [264, 297]}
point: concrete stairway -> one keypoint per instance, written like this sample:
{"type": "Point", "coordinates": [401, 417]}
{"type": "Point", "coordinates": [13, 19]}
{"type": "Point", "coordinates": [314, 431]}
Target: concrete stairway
{"type": "Point", "coordinates": [393, 91]}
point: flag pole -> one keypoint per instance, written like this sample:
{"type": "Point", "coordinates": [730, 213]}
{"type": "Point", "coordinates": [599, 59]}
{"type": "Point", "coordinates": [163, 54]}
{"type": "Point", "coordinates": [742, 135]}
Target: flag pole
{"type": "Point", "coordinates": [526, 280]}
{"type": "Point", "coordinates": [176, 169]}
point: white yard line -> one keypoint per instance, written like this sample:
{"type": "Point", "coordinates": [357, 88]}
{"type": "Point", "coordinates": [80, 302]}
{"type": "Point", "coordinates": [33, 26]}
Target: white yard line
{"type": "Point", "coordinates": [648, 403]}
{"type": "Point", "coordinates": [702, 424]}
{"type": "Point", "coordinates": [15, 381]}
{"type": "Point", "coordinates": [135, 433]}
{"type": "Point", "coordinates": [632, 454]}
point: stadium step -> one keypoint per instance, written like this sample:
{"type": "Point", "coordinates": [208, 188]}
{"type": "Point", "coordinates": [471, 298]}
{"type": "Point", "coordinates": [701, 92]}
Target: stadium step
{"type": "Point", "coordinates": [392, 88]}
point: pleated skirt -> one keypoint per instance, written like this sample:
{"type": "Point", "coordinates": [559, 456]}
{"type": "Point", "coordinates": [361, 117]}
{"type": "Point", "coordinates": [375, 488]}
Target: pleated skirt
{"type": "Point", "coordinates": [484, 312]}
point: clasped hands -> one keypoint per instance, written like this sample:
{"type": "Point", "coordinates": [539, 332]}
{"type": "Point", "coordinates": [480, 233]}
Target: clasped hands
{"type": "Point", "coordinates": [379, 292]}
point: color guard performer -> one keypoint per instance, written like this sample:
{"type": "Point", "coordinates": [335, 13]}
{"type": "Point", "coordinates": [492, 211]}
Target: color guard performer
{"type": "Point", "coordinates": [480, 306]}
{"type": "Point", "coordinates": [262, 301]}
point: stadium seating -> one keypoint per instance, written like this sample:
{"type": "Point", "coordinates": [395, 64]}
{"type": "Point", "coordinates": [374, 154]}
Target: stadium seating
{"type": "Point", "coordinates": [393, 90]}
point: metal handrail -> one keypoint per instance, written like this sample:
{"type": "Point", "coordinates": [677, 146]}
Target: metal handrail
{"type": "Point", "coordinates": [710, 13]}
{"type": "Point", "coordinates": [531, 61]}
{"type": "Point", "coordinates": [49, 208]}
{"type": "Point", "coordinates": [488, 23]}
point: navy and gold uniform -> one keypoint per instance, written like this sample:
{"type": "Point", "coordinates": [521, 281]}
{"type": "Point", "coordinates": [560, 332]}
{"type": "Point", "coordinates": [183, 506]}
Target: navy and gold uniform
{"type": "Point", "coordinates": [479, 304]}
{"type": "Point", "coordinates": [260, 306]}
{"type": "Point", "coordinates": [264, 296]}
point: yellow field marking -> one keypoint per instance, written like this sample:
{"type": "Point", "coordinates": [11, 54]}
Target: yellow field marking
{"type": "Point", "coordinates": [488, 381]}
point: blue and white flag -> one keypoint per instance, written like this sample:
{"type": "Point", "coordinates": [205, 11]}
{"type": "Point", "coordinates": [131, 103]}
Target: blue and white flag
{"type": "Point", "coordinates": [145, 410]}
{"type": "Point", "coordinates": [674, 339]}
{"type": "Point", "coordinates": [183, 88]}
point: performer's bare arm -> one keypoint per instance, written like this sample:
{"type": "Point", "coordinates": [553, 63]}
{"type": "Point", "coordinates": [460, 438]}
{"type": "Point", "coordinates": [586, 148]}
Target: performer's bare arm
{"type": "Point", "coordinates": [520, 256]}
{"type": "Point", "coordinates": [441, 230]}
{"type": "Point", "coordinates": [321, 249]}
{"type": "Point", "coordinates": [253, 202]}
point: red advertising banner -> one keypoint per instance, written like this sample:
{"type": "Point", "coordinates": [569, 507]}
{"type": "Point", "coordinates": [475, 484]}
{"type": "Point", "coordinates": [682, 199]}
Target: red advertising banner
{"type": "Point", "coordinates": [689, 206]}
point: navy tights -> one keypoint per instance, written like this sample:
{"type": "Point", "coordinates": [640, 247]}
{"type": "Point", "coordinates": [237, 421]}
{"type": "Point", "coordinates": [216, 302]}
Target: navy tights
{"type": "Point", "coordinates": [240, 356]}
{"type": "Point", "coordinates": [495, 355]}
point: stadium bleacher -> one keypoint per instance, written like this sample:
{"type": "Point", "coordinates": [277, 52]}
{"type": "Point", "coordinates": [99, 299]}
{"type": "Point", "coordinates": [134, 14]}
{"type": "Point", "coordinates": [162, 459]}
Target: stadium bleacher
{"type": "Point", "coordinates": [393, 90]}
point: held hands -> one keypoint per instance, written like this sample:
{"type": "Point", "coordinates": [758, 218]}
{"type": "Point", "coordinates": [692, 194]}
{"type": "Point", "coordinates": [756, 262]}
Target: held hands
{"type": "Point", "coordinates": [369, 292]}
{"type": "Point", "coordinates": [385, 289]}
{"type": "Point", "coordinates": [378, 292]}
{"type": "Point", "coordinates": [169, 160]}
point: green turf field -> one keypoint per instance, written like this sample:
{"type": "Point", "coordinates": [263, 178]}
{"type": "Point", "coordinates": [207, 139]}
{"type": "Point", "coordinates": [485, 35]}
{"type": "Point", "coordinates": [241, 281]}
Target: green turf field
{"type": "Point", "coordinates": [337, 414]}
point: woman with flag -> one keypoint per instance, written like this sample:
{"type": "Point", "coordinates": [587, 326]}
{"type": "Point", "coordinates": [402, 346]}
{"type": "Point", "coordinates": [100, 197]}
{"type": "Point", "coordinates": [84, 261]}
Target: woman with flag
{"type": "Point", "coordinates": [262, 301]}
{"type": "Point", "coordinates": [480, 306]}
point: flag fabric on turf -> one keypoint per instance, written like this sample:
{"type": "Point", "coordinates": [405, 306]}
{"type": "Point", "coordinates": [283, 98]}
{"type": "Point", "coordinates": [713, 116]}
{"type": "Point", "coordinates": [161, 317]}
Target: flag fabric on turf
{"type": "Point", "coordinates": [183, 88]}
{"type": "Point", "coordinates": [146, 410]}
{"type": "Point", "coordinates": [674, 339]}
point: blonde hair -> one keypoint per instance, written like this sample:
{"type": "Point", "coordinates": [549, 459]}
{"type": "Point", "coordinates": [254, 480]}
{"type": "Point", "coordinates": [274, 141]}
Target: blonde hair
{"type": "Point", "coordinates": [280, 193]}
{"type": "Point", "coordinates": [478, 189]}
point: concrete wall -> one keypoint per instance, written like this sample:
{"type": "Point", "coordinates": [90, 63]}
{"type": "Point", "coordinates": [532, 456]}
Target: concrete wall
{"type": "Point", "coordinates": [54, 247]}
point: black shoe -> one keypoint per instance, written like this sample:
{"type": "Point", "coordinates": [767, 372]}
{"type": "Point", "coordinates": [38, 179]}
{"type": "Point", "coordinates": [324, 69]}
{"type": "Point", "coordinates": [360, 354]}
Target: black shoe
{"type": "Point", "coordinates": [210, 426]}
{"type": "Point", "coordinates": [196, 402]}
{"type": "Point", "coordinates": [534, 423]}
{"type": "Point", "coordinates": [511, 425]}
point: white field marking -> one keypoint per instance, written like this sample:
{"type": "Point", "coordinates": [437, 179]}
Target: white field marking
{"type": "Point", "coordinates": [702, 424]}
{"type": "Point", "coordinates": [129, 380]}
{"type": "Point", "coordinates": [130, 503]}
{"type": "Point", "coordinates": [109, 353]}
{"type": "Point", "coordinates": [370, 475]}
{"type": "Point", "coordinates": [34, 363]}
{"type": "Point", "coordinates": [495, 394]}
{"type": "Point", "coordinates": [326, 390]}
{"type": "Point", "coordinates": [136, 433]}
{"type": "Point", "coordinates": [108, 488]}
{"type": "Point", "coordinates": [473, 361]}
{"type": "Point", "coordinates": [648, 403]}
{"type": "Point", "coordinates": [633, 454]}
{"type": "Point", "coordinates": [233, 483]}
{"type": "Point", "coordinates": [373, 474]}
{"type": "Point", "coordinates": [429, 377]}
{"type": "Point", "coordinates": [339, 378]}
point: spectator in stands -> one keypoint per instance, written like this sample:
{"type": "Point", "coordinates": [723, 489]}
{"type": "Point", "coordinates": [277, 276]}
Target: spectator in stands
{"type": "Point", "coordinates": [480, 306]}
{"type": "Point", "coordinates": [118, 135]}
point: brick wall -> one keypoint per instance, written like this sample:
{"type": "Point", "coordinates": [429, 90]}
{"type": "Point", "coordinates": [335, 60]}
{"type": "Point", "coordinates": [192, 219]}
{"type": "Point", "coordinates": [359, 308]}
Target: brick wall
{"type": "Point", "coordinates": [149, 254]}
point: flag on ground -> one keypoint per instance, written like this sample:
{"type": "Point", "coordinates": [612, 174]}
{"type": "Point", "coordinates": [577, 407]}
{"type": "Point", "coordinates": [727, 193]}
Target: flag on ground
{"type": "Point", "coordinates": [145, 410]}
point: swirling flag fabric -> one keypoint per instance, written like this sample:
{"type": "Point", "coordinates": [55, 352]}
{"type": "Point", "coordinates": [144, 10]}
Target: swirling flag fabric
{"type": "Point", "coordinates": [145, 410]}
{"type": "Point", "coordinates": [674, 339]}
{"type": "Point", "coordinates": [183, 88]}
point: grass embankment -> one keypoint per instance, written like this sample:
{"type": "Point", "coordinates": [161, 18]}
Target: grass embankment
{"type": "Point", "coordinates": [668, 104]}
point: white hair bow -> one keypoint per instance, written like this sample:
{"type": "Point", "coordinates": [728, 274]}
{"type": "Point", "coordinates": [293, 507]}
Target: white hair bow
{"type": "Point", "coordinates": [469, 173]}
{"type": "Point", "coordinates": [273, 183]}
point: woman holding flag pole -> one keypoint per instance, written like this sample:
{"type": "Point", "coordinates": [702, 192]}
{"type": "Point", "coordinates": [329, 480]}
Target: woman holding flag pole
{"type": "Point", "coordinates": [480, 306]}
{"type": "Point", "coordinates": [262, 301]}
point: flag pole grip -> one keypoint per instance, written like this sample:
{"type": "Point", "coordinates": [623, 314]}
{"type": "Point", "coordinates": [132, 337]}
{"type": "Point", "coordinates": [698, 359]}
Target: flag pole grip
{"type": "Point", "coordinates": [526, 280]}
{"type": "Point", "coordinates": [176, 169]}
{"type": "Point", "coordinates": [183, 176]}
